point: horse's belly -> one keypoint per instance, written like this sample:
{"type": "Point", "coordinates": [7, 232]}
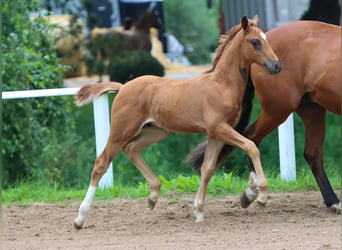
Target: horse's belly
{"type": "Point", "coordinates": [180, 120]}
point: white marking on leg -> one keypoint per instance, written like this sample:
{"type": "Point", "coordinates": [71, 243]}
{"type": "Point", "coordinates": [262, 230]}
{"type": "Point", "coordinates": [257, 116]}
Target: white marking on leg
{"type": "Point", "coordinates": [198, 214]}
{"type": "Point", "coordinates": [251, 194]}
{"type": "Point", "coordinates": [252, 191]}
{"type": "Point", "coordinates": [253, 180]}
{"type": "Point", "coordinates": [85, 206]}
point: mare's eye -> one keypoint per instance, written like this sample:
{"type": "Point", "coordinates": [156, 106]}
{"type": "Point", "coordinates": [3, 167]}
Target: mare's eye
{"type": "Point", "coordinates": [256, 44]}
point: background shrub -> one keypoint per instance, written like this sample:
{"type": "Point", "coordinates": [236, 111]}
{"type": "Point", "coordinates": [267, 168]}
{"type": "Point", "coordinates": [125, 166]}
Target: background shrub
{"type": "Point", "coordinates": [38, 134]}
{"type": "Point", "coordinates": [131, 64]}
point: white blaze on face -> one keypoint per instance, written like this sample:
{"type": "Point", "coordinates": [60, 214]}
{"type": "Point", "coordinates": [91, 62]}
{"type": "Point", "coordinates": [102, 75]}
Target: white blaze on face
{"type": "Point", "coordinates": [263, 35]}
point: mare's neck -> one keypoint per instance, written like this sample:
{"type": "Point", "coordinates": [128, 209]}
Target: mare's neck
{"type": "Point", "coordinates": [143, 25]}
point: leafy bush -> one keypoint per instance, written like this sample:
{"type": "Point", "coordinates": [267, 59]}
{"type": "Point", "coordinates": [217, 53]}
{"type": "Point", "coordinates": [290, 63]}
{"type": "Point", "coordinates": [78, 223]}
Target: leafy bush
{"type": "Point", "coordinates": [131, 64]}
{"type": "Point", "coordinates": [37, 133]}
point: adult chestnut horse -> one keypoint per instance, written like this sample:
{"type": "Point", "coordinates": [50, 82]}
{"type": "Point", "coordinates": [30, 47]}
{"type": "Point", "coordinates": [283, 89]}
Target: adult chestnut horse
{"type": "Point", "coordinates": [146, 109]}
{"type": "Point", "coordinates": [309, 84]}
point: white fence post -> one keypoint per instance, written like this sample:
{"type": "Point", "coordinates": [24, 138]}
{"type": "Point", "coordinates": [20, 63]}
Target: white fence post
{"type": "Point", "coordinates": [287, 150]}
{"type": "Point", "coordinates": [102, 125]}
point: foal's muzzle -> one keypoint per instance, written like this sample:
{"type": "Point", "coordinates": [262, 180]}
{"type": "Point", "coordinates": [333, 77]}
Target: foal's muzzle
{"type": "Point", "coordinates": [273, 67]}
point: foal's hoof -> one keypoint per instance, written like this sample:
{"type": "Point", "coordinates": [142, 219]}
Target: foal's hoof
{"type": "Point", "coordinates": [199, 218]}
{"type": "Point", "coordinates": [244, 201]}
{"type": "Point", "coordinates": [151, 204]}
{"type": "Point", "coordinates": [261, 204]}
{"type": "Point", "coordinates": [262, 199]}
{"type": "Point", "coordinates": [77, 226]}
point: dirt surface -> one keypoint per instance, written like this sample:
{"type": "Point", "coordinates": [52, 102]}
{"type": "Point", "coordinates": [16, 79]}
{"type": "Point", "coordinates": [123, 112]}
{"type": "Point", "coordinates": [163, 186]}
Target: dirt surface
{"type": "Point", "coordinates": [289, 221]}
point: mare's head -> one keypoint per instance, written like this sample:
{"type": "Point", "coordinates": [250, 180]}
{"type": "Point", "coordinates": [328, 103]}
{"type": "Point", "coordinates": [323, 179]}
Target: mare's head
{"type": "Point", "coordinates": [149, 19]}
{"type": "Point", "coordinates": [255, 47]}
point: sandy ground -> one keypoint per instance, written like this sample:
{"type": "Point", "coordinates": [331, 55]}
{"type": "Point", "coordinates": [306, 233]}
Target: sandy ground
{"type": "Point", "coordinates": [289, 221]}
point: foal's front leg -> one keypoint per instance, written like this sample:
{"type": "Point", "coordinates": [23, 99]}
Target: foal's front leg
{"type": "Point", "coordinates": [257, 182]}
{"type": "Point", "coordinates": [208, 167]}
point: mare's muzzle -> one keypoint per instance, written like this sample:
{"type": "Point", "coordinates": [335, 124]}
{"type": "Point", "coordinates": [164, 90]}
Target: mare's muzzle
{"type": "Point", "coordinates": [273, 67]}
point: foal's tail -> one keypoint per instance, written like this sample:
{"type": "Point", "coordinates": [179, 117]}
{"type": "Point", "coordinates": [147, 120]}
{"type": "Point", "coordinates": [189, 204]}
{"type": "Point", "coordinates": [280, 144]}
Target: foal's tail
{"type": "Point", "coordinates": [90, 92]}
{"type": "Point", "coordinates": [196, 156]}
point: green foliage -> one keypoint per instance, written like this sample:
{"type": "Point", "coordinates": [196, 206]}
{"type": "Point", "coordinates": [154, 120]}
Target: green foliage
{"type": "Point", "coordinates": [193, 24]}
{"type": "Point", "coordinates": [101, 50]}
{"type": "Point", "coordinates": [38, 132]}
{"type": "Point", "coordinates": [24, 193]}
{"type": "Point", "coordinates": [131, 64]}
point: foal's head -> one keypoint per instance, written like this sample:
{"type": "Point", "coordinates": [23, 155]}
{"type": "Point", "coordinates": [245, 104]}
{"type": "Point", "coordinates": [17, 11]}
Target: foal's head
{"type": "Point", "coordinates": [255, 47]}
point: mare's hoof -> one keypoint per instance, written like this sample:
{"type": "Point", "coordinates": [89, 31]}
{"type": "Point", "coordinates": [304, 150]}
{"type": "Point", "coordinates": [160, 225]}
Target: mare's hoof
{"type": "Point", "coordinates": [150, 204]}
{"type": "Point", "coordinates": [336, 208]}
{"type": "Point", "coordinates": [244, 201]}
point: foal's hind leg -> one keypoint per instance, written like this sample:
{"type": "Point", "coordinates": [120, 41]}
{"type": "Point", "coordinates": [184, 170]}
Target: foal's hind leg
{"type": "Point", "coordinates": [313, 117]}
{"type": "Point", "coordinates": [101, 165]}
{"type": "Point", "coordinates": [208, 167]}
{"type": "Point", "coordinates": [147, 136]}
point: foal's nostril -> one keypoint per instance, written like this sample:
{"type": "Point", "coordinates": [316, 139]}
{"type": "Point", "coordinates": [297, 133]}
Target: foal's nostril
{"type": "Point", "coordinates": [278, 67]}
{"type": "Point", "coordinates": [273, 67]}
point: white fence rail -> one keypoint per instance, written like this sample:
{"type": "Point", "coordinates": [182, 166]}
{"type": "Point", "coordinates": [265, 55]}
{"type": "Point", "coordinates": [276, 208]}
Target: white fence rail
{"type": "Point", "coordinates": [39, 93]}
{"type": "Point", "coordinates": [101, 121]}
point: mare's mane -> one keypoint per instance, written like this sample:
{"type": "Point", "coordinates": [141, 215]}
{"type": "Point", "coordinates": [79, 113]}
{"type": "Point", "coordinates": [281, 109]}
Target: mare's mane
{"type": "Point", "coordinates": [223, 42]}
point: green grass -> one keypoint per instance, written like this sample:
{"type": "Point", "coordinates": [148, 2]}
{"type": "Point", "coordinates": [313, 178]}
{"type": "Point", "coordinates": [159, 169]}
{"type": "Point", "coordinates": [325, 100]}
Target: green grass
{"type": "Point", "coordinates": [24, 193]}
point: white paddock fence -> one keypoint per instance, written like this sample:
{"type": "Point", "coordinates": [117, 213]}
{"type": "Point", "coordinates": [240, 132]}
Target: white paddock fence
{"type": "Point", "coordinates": [101, 121]}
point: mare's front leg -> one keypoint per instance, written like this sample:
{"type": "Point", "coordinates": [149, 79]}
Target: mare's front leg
{"type": "Point", "coordinates": [313, 117]}
{"type": "Point", "coordinates": [208, 167]}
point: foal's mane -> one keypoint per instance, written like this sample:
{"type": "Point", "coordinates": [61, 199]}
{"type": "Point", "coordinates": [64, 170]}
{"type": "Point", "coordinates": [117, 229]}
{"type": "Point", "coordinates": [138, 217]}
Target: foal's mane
{"type": "Point", "coordinates": [223, 42]}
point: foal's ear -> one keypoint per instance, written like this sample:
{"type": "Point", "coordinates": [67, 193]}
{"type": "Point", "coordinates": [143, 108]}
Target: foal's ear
{"type": "Point", "coordinates": [244, 23]}
{"type": "Point", "coordinates": [256, 20]}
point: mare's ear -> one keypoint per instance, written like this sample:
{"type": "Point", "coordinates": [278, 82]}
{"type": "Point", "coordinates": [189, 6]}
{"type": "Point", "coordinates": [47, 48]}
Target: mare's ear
{"type": "Point", "coordinates": [256, 20]}
{"type": "Point", "coordinates": [244, 23]}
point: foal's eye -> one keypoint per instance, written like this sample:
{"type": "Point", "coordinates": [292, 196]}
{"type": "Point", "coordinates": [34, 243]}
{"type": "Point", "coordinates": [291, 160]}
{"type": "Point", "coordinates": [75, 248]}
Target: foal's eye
{"type": "Point", "coordinates": [256, 44]}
